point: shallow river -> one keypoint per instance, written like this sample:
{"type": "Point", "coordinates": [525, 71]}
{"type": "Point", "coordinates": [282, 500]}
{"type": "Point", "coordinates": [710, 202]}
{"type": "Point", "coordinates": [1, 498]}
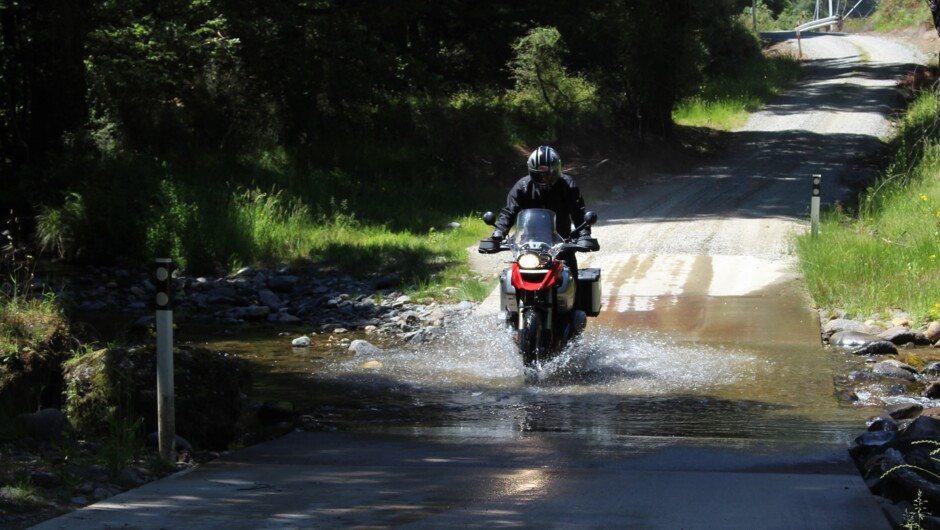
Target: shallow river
{"type": "Point", "coordinates": [616, 382]}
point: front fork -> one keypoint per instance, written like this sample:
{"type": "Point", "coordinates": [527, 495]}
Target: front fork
{"type": "Point", "coordinates": [537, 300]}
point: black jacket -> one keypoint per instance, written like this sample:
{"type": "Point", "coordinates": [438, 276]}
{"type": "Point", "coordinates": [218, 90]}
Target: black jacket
{"type": "Point", "coordinates": [564, 198]}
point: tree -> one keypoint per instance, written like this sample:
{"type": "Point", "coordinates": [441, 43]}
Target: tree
{"type": "Point", "coordinates": [934, 6]}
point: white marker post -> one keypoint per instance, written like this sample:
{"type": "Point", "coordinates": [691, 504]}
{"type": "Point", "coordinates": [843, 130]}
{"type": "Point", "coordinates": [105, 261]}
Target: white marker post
{"type": "Point", "coordinates": [166, 408]}
{"type": "Point", "coordinates": [814, 206]}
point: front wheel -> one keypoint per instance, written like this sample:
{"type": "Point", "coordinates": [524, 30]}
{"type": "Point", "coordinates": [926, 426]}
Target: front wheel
{"type": "Point", "coordinates": [530, 337]}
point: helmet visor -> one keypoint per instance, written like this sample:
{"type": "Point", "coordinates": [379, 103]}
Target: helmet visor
{"type": "Point", "coordinates": [542, 175]}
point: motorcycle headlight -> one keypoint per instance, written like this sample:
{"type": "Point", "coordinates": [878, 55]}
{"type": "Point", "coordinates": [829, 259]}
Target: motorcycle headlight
{"type": "Point", "coordinates": [529, 260]}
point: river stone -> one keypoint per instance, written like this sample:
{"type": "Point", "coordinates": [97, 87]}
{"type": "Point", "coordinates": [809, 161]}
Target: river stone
{"type": "Point", "coordinates": [881, 347]}
{"type": "Point", "coordinates": [933, 390]}
{"type": "Point", "coordinates": [876, 438]}
{"type": "Point", "coordinates": [882, 423]}
{"type": "Point", "coordinates": [130, 478]}
{"type": "Point", "coordinates": [932, 369]}
{"type": "Point", "coordinates": [844, 324]}
{"type": "Point", "coordinates": [922, 428]}
{"type": "Point", "coordinates": [301, 342]}
{"type": "Point", "coordinates": [933, 331]}
{"type": "Point", "coordinates": [892, 369]}
{"type": "Point", "coordinates": [851, 339]}
{"type": "Point", "coordinates": [269, 299]}
{"type": "Point", "coordinates": [905, 411]}
{"type": "Point", "coordinates": [898, 335]}
{"type": "Point", "coordinates": [364, 347]}
{"type": "Point", "coordinates": [283, 283]}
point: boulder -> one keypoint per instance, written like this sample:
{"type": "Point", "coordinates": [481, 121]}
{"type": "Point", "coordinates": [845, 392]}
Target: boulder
{"type": "Point", "coordinates": [844, 324]}
{"type": "Point", "coordinates": [46, 425]}
{"type": "Point", "coordinates": [898, 335]}
{"type": "Point", "coordinates": [852, 339]}
{"type": "Point", "coordinates": [363, 347]}
{"type": "Point", "coordinates": [881, 347]}
{"type": "Point", "coordinates": [892, 368]}
{"type": "Point", "coordinates": [904, 411]}
{"type": "Point", "coordinates": [933, 332]}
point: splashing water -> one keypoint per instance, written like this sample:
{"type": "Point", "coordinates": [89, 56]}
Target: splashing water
{"type": "Point", "coordinates": [609, 361]}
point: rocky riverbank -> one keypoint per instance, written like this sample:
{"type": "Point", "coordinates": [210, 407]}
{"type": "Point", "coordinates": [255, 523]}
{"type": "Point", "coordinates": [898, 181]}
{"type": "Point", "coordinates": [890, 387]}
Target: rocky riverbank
{"type": "Point", "coordinates": [898, 373]}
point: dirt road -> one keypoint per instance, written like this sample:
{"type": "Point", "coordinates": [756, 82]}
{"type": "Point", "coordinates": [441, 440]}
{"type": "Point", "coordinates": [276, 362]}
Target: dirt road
{"type": "Point", "coordinates": [677, 251]}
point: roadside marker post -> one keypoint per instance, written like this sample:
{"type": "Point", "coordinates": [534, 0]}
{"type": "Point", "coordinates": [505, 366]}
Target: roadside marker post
{"type": "Point", "coordinates": [814, 206]}
{"type": "Point", "coordinates": [166, 408]}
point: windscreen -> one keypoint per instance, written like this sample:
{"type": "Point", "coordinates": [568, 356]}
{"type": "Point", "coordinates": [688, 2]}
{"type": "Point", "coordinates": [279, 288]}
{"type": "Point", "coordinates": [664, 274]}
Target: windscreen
{"type": "Point", "coordinates": [535, 229]}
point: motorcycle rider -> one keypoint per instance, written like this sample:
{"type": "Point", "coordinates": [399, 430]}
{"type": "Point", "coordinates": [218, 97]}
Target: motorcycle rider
{"type": "Point", "coordinates": [545, 186]}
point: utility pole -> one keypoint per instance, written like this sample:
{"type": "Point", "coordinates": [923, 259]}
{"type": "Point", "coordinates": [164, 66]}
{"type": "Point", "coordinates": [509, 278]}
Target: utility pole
{"type": "Point", "coordinates": [754, 14]}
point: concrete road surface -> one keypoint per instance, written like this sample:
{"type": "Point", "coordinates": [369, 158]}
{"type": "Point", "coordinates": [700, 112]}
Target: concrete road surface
{"type": "Point", "coordinates": [540, 480]}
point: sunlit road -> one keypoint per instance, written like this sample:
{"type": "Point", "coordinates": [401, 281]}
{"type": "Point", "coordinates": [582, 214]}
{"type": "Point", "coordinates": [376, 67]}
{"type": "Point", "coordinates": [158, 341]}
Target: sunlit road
{"type": "Point", "coordinates": [701, 398]}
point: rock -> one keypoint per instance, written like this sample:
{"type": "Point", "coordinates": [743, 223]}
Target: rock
{"type": "Point", "coordinates": [891, 368]}
{"type": "Point", "coordinates": [922, 428]}
{"type": "Point", "coordinates": [130, 478]}
{"type": "Point", "coordinates": [44, 479]}
{"type": "Point", "coordinates": [852, 339]}
{"type": "Point", "coordinates": [881, 347]}
{"type": "Point", "coordinates": [365, 348]}
{"type": "Point", "coordinates": [903, 411]}
{"type": "Point", "coordinates": [875, 439]}
{"type": "Point", "coordinates": [882, 423]}
{"type": "Point", "coordinates": [932, 369]}
{"type": "Point", "coordinates": [301, 342]}
{"type": "Point", "coordinates": [933, 390]}
{"type": "Point", "coordinates": [45, 425]}
{"type": "Point", "coordinates": [283, 283]}
{"type": "Point", "coordinates": [933, 331]}
{"type": "Point", "coordinates": [842, 324]}
{"type": "Point", "coordinates": [269, 299]}
{"type": "Point", "coordinates": [898, 335]}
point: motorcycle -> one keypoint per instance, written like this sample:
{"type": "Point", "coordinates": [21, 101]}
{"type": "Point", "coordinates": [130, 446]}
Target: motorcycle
{"type": "Point", "coordinates": [538, 295]}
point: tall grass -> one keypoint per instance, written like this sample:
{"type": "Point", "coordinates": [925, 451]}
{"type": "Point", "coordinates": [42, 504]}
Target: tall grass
{"type": "Point", "coordinates": [724, 102]}
{"type": "Point", "coordinates": [29, 319]}
{"type": "Point", "coordinates": [888, 256]}
{"type": "Point", "coordinates": [894, 15]}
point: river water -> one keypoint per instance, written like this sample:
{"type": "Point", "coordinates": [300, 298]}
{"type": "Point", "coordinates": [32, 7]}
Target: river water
{"type": "Point", "coordinates": [624, 382]}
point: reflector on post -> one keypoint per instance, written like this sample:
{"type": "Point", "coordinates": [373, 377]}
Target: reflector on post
{"type": "Point", "coordinates": [166, 408]}
{"type": "Point", "coordinates": [814, 206]}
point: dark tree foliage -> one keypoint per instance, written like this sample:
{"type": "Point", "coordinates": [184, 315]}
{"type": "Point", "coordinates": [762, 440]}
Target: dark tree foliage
{"type": "Point", "coordinates": [358, 85]}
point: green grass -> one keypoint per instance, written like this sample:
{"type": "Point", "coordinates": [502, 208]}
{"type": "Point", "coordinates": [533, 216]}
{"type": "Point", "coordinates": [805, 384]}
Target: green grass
{"type": "Point", "coordinates": [887, 256]}
{"type": "Point", "coordinates": [724, 103]}
{"type": "Point", "coordinates": [894, 15]}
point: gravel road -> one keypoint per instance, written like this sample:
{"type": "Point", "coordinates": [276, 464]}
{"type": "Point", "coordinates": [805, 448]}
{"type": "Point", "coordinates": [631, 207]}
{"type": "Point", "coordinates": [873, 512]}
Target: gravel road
{"type": "Point", "coordinates": [725, 229]}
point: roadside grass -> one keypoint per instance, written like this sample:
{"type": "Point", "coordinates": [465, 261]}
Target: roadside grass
{"type": "Point", "coordinates": [275, 228]}
{"type": "Point", "coordinates": [886, 256]}
{"type": "Point", "coordinates": [894, 15]}
{"type": "Point", "coordinates": [398, 224]}
{"type": "Point", "coordinates": [723, 103]}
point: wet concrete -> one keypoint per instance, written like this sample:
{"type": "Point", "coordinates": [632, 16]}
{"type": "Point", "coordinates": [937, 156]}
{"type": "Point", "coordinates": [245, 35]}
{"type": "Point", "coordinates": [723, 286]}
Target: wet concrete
{"type": "Point", "coordinates": [539, 480]}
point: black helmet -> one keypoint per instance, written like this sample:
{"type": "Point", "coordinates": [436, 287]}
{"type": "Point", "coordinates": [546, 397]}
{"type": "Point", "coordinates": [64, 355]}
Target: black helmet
{"type": "Point", "coordinates": [544, 166]}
